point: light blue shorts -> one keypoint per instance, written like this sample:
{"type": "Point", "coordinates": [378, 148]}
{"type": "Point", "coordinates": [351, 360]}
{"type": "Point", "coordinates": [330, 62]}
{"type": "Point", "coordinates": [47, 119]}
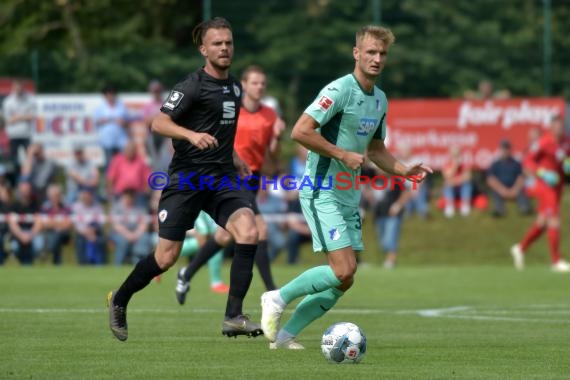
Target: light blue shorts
{"type": "Point", "coordinates": [333, 225]}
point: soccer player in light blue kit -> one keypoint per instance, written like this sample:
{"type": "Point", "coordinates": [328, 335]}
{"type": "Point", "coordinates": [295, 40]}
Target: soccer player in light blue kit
{"type": "Point", "coordinates": [205, 227]}
{"type": "Point", "coordinates": [347, 119]}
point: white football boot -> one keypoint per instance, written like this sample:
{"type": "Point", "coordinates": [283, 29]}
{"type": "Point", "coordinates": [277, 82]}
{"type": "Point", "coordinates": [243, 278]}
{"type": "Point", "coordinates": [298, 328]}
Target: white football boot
{"type": "Point", "coordinates": [518, 256]}
{"type": "Point", "coordinates": [271, 312]}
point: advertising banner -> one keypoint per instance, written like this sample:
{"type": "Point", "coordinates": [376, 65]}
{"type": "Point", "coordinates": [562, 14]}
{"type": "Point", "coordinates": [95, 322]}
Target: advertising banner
{"type": "Point", "coordinates": [430, 127]}
{"type": "Point", "coordinates": [66, 121]}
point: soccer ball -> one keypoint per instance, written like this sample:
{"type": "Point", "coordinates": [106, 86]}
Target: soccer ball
{"type": "Point", "coordinates": [343, 342]}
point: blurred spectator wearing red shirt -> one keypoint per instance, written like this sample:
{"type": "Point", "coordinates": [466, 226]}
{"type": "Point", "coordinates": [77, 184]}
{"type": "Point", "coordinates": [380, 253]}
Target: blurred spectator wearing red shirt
{"type": "Point", "coordinates": [549, 161]}
{"type": "Point", "coordinates": [128, 170]}
{"type": "Point", "coordinates": [457, 184]}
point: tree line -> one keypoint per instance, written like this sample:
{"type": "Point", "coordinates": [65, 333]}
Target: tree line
{"type": "Point", "coordinates": [442, 47]}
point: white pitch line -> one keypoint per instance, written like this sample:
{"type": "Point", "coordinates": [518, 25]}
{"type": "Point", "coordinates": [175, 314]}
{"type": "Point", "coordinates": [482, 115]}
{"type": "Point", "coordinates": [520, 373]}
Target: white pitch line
{"type": "Point", "coordinates": [506, 319]}
{"type": "Point", "coordinates": [183, 310]}
{"type": "Point", "coordinates": [431, 313]}
{"type": "Point", "coordinates": [455, 312]}
{"type": "Point", "coordinates": [450, 312]}
{"type": "Point", "coordinates": [520, 311]}
{"type": "Point", "coordinates": [97, 311]}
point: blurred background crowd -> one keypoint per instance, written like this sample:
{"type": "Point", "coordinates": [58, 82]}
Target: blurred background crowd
{"type": "Point", "coordinates": [106, 213]}
{"type": "Point", "coordinates": [59, 47]}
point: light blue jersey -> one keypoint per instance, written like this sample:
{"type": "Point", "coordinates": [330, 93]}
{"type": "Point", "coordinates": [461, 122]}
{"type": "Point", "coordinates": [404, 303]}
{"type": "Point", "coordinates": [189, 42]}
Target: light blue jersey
{"type": "Point", "coordinates": [350, 118]}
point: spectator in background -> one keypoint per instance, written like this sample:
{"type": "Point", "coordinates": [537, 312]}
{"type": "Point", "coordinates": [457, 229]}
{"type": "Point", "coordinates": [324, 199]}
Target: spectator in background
{"type": "Point", "coordinates": [25, 225]}
{"type": "Point", "coordinates": [111, 119]}
{"type": "Point", "coordinates": [129, 229]}
{"type": "Point", "coordinates": [297, 165]}
{"type": "Point", "coordinates": [457, 184]}
{"type": "Point", "coordinates": [57, 222]}
{"type": "Point", "coordinates": [271, 204]}
{"type": "Point", "coordinates": [5, 206]}
{"type": "Point", "coordinates": [298, 230]}
{"type": "Point", "coordinates": [80, 174]}
{"type": "Point", "coordinates": [6, 162]}
{"type": "Point", "coordinates": [418, 200]}
{"type": "Point", "coordinates": [506, 181]}
{"type": "Point", "coordinates": [389, 205]}
{"type": "Point", "coordinates": [485, 91]}
{"type": "Point", "coordinates": [89, 239]}
{"type": "Point", "coordinates": [38, 170]}
{"type": "Point", "coordinates": [155, 141]}
{"type": "Point", "coordinates": [19, 110]}
{"type": "Point", "coordinates": [128, 170]}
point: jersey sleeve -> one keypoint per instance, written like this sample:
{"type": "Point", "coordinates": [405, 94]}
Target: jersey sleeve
{"type": "Point", "coordinates": [181, 98]}
{"type": "Point", "coordinates": [380, 133]}
{"type": "Point", "coordinates": [330, 101]}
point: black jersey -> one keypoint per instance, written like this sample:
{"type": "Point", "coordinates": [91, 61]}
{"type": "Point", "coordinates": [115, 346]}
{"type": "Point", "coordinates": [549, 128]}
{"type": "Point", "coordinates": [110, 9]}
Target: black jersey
{"type": "Point", "coordinates": [204, 104]}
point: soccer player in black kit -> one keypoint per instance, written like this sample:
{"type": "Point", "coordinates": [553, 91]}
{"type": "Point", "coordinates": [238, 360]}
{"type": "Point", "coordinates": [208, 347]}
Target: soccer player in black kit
{"type": "Point", "coordinates": [200, 115]}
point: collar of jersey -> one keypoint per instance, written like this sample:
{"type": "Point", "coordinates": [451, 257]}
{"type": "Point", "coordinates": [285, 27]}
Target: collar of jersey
{"type": "Point", "coordinates": [371, 93]}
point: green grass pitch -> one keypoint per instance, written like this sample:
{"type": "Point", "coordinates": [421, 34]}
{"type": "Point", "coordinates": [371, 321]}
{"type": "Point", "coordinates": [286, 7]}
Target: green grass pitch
{"type": "Point", "coordinates": [438, 322]}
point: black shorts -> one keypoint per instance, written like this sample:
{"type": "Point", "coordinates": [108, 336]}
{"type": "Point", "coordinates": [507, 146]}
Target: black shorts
{"type": "Point", "coordinates": [178, 209]}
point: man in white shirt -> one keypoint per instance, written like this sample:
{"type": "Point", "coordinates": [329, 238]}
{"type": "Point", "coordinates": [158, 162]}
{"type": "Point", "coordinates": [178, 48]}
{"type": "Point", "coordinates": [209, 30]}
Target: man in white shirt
{"type": "Point", "coordinates": [19, 109]}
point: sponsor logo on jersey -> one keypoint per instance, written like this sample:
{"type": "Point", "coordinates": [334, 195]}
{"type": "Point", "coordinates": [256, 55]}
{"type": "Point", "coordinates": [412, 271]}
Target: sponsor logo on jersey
{"type": "Point", "coordinates": [173, 100]}
{"type": "Point", "coordinates": [229, 108]}
{"type": "Point", "coordinates": [325, 103]}
{"type": "Point", "coordinates": [225, 90]}
{"type": "Point", "coordinates": [334, 234]}
{"type": "Point", "coordinates": [237, 91]}
{"type": "Point", "coordinates": [365, 126]}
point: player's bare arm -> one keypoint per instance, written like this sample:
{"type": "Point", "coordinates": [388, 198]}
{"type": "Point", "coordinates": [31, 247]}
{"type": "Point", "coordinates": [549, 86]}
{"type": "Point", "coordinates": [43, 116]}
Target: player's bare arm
{"type": "Point", "coordinates": [164, 126]}
{"type": "Point", "coordinates": [382, 157]}
{"type": "Point", "coordinates": [243, 169]}
{"type": "Point", "coordinates": [278, 128]}
{"type": "Point", "coordinates": [304, 132]}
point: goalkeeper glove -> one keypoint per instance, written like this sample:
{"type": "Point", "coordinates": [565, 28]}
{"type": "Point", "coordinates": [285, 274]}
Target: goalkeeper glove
{"type": "Point", "coordinates": [549, 176]}
{"type": "Point", "coordinates": [566, 165]}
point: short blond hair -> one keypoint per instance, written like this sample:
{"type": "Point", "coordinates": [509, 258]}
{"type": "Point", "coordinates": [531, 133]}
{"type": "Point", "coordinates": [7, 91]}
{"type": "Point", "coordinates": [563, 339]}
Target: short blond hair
{"type": "Point", "coordinates": [383, 34]}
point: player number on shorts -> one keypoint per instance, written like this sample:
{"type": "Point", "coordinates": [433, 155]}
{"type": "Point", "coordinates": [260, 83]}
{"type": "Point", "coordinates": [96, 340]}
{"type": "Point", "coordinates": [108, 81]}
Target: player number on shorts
{"type": "Point", "coordinates": [358, 224]}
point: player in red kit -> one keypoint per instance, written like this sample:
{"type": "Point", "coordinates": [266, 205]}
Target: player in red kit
{"type": "Point", "coordinates": [549, 161]}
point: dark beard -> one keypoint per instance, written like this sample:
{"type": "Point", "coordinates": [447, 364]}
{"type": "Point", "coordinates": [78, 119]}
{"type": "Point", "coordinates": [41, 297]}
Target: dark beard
{"type": "Point", "coordinates": [221, 67]}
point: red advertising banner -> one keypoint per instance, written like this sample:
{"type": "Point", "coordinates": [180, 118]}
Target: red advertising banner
{"type": "Point", "coordinates": [431, 127]}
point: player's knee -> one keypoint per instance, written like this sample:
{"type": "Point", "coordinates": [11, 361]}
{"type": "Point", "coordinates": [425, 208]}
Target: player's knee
{"type": "Point", "coordinates": [346, 284]}
{"type": "Point", "coordinates": [345, 274]}
{"type": "Point", "coordinates": [553, 222]}
{"type": "Point", "coordinates": [243, 227]}
{"type": "Point", "coordinates": [247, 234]}
{"type": "Point", "coordinates": [166, 257]}
{"type": "Point", "coordinates": [222, 237]}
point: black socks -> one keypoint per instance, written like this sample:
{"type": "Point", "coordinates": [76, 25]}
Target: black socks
{"type": "Point", "coordinates": [262, 262]}
{"type": "Point", "coordinates": [240, 278]}
{"type": "Point", "coordinates": [143, 273]}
